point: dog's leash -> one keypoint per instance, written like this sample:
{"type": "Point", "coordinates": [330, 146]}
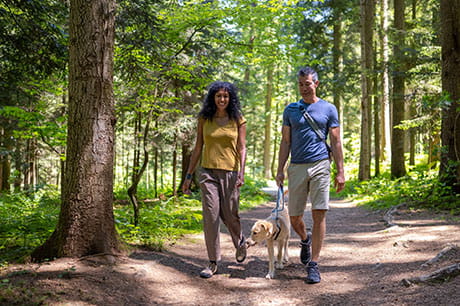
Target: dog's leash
{"type": "Point", "coordinates": [279, 200]}
{"type": "Point", "coordinates": [277, 209]}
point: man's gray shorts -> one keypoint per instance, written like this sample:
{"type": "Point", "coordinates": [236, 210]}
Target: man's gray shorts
{"type": "Point", "coordinates": [309, 179]}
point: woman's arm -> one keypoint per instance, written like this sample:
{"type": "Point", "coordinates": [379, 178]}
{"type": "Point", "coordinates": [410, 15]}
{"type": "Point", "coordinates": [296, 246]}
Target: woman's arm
{"type": "Point", "coordinates": [196, 154]}
{"type": "Point", "coordinates": [241, 148]}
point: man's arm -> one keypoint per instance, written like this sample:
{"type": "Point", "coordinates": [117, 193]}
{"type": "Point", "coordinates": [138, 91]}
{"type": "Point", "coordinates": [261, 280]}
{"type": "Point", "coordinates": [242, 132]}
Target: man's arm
{"type": "Point", "coordinates": [337, 153]}
{"type": "Point", "coordinates": [285, 148]}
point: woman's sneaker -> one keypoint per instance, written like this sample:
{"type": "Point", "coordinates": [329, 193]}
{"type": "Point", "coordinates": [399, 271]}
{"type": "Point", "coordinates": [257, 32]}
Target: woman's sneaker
{"type": "Point", "coordinates": [313, 276]}
{"type": "Point", "coordinates": [210, 270]}
{"type": "Point", "coordinates": [305, 249]}
{"type": "Point", "coordinates": [241, 251]}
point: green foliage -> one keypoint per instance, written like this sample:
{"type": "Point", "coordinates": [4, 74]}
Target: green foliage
{"type": "Point", "coordinates": [159, 222]}
{"type": "Point", "coordinates": [252, 194]}
{"type": "Point", "coordinates": [163, 221]}
{"type": "Point", "coordinates": [37, 124]}
{"type": "Point", "coordinates": [26, 221]}
{"type": "Point", "coordinates": [33, 43]}
{"type": "Point", "coordinates": [420, 188]}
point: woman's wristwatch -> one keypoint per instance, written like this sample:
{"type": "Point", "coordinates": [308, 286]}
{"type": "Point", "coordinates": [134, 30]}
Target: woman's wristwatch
{"type": "Point", "coordinates": [188, 176]}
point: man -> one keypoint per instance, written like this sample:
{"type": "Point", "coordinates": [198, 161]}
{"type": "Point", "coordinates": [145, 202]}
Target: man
{"type": "Point", "coordinates": [309, 169]}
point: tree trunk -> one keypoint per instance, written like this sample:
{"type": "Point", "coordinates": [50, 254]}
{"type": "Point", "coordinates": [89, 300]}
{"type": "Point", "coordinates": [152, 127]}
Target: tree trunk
{"type": "Point", "coordinates": [30, 174]}
{"type": "Point", "coordinates": [274, 166]}
{"type": "Point", "coordinates": [385, 105]}
{"type": "Point", "coordinates": [136, 170]}
{"type": "Point", "coordinates": [246, 95]}
{"type": "Point", "coordinates": [337, 61]}
{"type": "Point", "coordinates": [367, 21]}
{"type": "Point", "coordinates": [18, 161]}
{"type": "Point", "coordinates": [412, 135]}
{"type": "Point", "coordinates": [268, 122]}
{"type": "Point", "coordinates": [397, 145]}
{"type": "Point", "coordinates": [186, 153]}
{"type": "Point", "coordinates": [377, 137]}
{"type": "Point", "coordinates": [155, 172]}
{"type": "Point", "coordinates": [5, 161]}
{"type": "Point", "coordinates": [86, 222]}
{"type": "Point", "coordinates": [449, 171]}
{"type": "Point", "coordinates": [174, 166]}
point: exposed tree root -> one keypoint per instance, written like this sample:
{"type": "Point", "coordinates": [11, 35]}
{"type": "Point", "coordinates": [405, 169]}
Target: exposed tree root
{"type": "Point", "coordinates": [439, 275]}
{"type": "Point", "coordinates": [388, 217]}
{"type": "Point", "coordinates": [102, 258]}
{"type": "Point", "coordinates": [447, 251]}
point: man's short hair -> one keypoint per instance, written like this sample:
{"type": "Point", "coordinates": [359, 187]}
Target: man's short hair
{"type": "Point", "coordinates": [306, 71]}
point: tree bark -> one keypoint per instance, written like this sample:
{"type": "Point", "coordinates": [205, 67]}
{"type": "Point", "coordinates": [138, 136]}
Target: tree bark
{"type": "Point", "coordinates": [377, 134]}
{"type": "Point", "coordinates": [268, 122]}
{"type": "Point", "coordinates": [397, 145]}
{"type": "Point", "coordinates": [385, 105]}
{"type": "Point", "coordinates": [337, 60]}
{"type": "Point", "coordinates": [367, 22]}
{"type": "Point", "coordinates": [174, 166]}
{"type": "Point", "coordinates": [86, 222]}
{"type": "Point", "coordinates": [449, 172]}
{"type": "Point", "coordinates": [30, 175]}
{"type": "Point", "coordinates": [136, 170]}
{"type": "Point", "coordinates": [5, 160]}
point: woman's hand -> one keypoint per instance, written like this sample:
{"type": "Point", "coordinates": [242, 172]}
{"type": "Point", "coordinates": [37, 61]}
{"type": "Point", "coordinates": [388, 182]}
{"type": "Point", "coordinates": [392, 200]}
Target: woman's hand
{"type": "Point", "coordinates": [240, 180]}
{"type": "Point", "coordinates": [186, 187]}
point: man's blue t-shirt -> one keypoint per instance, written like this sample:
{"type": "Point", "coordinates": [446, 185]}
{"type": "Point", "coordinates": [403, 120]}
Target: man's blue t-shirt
{"type": "Point", "coordinates": [306, 146]}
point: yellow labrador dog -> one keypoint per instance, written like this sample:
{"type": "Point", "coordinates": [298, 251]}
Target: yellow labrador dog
{"type": "Point", "coordinates": [274, 230]}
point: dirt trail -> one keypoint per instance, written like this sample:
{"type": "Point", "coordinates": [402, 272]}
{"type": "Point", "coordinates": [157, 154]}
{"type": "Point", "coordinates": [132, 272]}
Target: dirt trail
{"type": "Point", "coordinates": [362, 263]}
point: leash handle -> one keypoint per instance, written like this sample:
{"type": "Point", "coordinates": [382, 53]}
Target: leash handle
{"type": "Point", "coordinates": [279, 199]}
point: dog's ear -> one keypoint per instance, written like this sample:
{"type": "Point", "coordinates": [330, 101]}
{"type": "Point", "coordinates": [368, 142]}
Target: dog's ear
{"type": "Point", "coordinates": [264, 226]}
{"type": "Point", "coordinates": [268, 228]}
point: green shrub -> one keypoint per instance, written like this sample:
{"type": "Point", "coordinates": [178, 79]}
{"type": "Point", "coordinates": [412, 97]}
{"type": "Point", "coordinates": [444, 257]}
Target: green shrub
{"type": "Point", "coordinates": [163, 221]}
{"type": "Point", "coordinates": [420, 188]}
{"type": "Point", "coordinates": [26, 220]}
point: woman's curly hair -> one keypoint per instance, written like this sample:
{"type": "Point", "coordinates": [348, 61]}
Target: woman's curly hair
{"type": "Point", "coordinates": [209, 106]}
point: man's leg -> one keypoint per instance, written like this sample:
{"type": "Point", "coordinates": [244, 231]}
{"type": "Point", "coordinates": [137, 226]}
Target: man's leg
{"type": "Point", "coordinates": [305, 238]}
{"type": "Point", "coordinates": [320, 180]}
{"type": "Point", "coordinates": [299, 226]}
{"type": "Point", "coordinates": [318, 232]}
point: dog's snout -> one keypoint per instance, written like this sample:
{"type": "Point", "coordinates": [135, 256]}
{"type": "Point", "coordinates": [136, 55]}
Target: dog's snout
{"type": "Point", "coordinates": [250, 242]}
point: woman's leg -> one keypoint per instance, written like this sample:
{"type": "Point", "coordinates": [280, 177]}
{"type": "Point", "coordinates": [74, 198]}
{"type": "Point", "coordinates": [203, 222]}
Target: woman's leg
{"type": "Point", "coordinates": [230, 202]}
{"type": "Point", "coordinates": [210, 201]}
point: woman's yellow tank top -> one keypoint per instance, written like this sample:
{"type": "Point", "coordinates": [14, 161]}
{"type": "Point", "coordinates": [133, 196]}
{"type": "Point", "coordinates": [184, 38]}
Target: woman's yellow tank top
{"type": "Point", "coordinates": [219, 150]}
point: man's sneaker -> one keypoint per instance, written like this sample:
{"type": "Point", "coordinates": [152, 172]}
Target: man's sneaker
{"type": "Point", "coordinates": [241, 251]}
{"type": "Point", "coordinates": [305, 251]}
{"type": "Point", "coordinates": [210, 270]}
{"type": "Point", "coordinates": [313, 276]}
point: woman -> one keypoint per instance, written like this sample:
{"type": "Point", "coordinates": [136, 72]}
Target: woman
{"type": "Point", "coordinates": [221, 144]}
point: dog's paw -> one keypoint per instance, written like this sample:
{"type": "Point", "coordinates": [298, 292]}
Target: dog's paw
{"type": "Point", "coordinates": [270, 275]}
{"type": "Point", "coordinates": [279, 265]}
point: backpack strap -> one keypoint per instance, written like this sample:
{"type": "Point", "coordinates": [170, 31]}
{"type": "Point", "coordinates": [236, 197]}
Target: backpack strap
{"type": "Point", "coordinates": [315, 127]}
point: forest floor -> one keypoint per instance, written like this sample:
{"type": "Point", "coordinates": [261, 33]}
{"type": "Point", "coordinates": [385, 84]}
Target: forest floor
{"type": "Point", "coordinates": [363, 262]}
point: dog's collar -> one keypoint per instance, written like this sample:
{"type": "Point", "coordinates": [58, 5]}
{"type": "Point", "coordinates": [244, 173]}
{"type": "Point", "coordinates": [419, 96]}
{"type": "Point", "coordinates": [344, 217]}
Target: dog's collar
{"type": "Point", "coordinates": [278, 232]}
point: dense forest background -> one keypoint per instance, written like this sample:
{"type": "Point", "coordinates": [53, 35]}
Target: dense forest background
{"type": "Point", "coordinates": [386, 65]}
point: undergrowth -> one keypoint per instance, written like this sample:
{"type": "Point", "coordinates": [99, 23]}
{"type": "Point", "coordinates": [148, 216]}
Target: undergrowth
{"type": "Point", "coordinates": [27, 220]}
{"type": "Point", "coordinates": [420, 188]}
